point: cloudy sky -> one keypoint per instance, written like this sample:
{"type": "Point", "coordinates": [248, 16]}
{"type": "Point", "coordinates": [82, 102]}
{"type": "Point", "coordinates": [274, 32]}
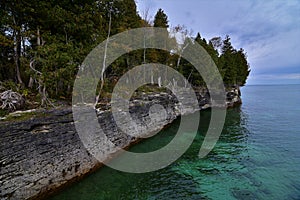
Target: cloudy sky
{"type": "Point", "coordinates": [269, 31]}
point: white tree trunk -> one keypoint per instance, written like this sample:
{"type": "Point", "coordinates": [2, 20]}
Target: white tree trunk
{"type": "Point", "coordinates": [159, 81]}
{"type": "Point", "coordinates": [102, 76]}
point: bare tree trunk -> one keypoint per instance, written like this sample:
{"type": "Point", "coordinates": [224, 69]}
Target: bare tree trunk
{"type": "Point", "coordinates": [17, 56]}
{"type": "Point", "coordinates": [38, 39]}
{"type": "Point", "coordinates": [41, 85]}
{"type": "Point", "coordinates": [187, 80]}
{"type": "Point", "coordinates": [152, 80]}
{"type": "Point", "coordinates": [128, 67]}
{"type": "Point", "coordinates": [146, 19]}
{"type": "Point", "coordinates": [43, 94]}
{"type": "Point", "coordinates": [66, 35]}
{"type": "Point", "coordinates": [159, 82]}
{"type": "Point", "coordinates": [178, 61]}
{"type": "Point", "coordinates": [23, 46]}
{"type": "Point", "coordinates": [179, 57]}
{"type": "Point", "coordinates": [31, 80]}
{"type": "Point", "coordinates": [104, 61]}
{"type": "Point", "coordinates": [144, 61]}
{"type": "Point", "coordinates": [38, 42]}
{"type": "Point", "coordinates": [144, 56]}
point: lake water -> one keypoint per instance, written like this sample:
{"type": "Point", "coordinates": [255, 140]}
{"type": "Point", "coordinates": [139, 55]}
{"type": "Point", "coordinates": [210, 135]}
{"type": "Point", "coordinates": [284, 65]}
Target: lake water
{"type": "Point", "coordinates": [257, 157]}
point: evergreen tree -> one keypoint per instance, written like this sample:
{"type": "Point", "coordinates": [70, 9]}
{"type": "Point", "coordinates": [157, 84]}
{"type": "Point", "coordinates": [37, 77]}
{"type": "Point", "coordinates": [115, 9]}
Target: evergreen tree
{"type": "Point", "coordinates": [7, 65]}
{"type": "Point", "coordinates": [242, 67]}
{"type": "Point", "coordinates": [155, 55]}
{"type": "Point", "coordinates": [161, 19]}
{"type": "Point", "coordinates": [227, 65]}
{"type": "Point", "coordinates": [227, 47]}
{"type": "Point", "coordinates": [42, 44]}
{"type": "Point", "coordinates": [130, 18]}
{"type": "Point", "coordinates": [208, 47]}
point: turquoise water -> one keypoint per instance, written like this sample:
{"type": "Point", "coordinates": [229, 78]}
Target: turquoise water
{"type": "Point", "coordinates": [257, 157]}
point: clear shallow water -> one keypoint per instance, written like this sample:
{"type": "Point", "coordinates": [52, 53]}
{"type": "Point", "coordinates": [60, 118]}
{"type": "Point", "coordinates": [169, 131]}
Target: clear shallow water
{"type": "Point", "coordinates": [257, 157]}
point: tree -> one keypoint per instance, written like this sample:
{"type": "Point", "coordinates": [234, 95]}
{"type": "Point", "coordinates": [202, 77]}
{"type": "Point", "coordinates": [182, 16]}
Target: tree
{"type": "Point", "coordinates": [128, 16]}
{"type": "Point", "coordinates": [242, 67]}
{"type": "Point", "coordinates": [182, 44]}
{"type": "Point", "coordinates": [155, 55]}
{"type": "Point", "coordinates": [104, 59]}
{"type": "Point", "coordinates": [161, 19]}
{"type": "Point", "coordinates": [14, 13]}
{"type": "Point", "coordinates": [227, 47]}
{"type": "Point", "coordinates": [7, 65]}
{"type": "Point", "coordinates": [146, 22]}
{"type": "Point", "coordinates": [216, 43]}
{"type": "Point", "coordinates": [42, 44]}
{"type": "Point", "coordinates": [227, 62]}
{"type": "Point", "coordinates": [209, 47]}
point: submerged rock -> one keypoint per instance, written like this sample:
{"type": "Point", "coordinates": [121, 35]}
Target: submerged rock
{"type": "Point", "coordinates": [244, 194]}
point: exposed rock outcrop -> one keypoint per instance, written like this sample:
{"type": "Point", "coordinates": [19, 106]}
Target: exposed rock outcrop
{"type": "Point", "coordinates": [41, 154]}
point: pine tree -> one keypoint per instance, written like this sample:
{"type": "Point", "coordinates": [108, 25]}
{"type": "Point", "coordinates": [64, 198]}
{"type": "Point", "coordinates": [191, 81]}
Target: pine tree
{"type": "Point", "coordinates": [161, 19]}
{"type": "Point", "coordinates": [242, 67]}
{"type": "Point", "coordinates": [47, 42]}
{"type": "Point", "coordinates": [129, 17]}
{"type": "Point", "coordinates": [227, 64]}
{"type": "Point", "coordinates": [208, 47]}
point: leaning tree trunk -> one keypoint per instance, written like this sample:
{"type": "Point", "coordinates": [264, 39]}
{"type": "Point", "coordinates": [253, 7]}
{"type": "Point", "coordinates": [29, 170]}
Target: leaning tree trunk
{"type": "Point", "coordinates": [18, 55]}
{"type": "Point", "coordinates": [41, 84]}
{"type": "Point", "coordinates": [30, 83]}
{"type": "Point", "coordinates": [104, 62]}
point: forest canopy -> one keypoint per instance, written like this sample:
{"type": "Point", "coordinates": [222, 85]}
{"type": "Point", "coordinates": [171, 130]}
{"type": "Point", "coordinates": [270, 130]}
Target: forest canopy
{"type": "Point", "coordinates": [43, 44]}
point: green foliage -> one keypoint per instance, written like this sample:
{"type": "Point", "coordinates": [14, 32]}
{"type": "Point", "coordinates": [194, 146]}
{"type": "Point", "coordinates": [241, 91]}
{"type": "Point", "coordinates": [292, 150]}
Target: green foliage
{"type": "Point", "coordinates": [161, 19]}
{"type": "Point", "coordinates": [47, 42]}
{"type": "Point", "coordinates": [10, 85]}
{"type": "Point", "coordinates": [3, 112]}
{"type": "Point", "coordinates": [232, 64]}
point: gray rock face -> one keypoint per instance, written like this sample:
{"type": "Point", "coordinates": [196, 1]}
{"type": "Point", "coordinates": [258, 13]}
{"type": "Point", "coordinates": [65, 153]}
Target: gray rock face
{"type": "Point", "coordinates": [40, 155]}
{"type": "Point", "coordinates": [233, 97]}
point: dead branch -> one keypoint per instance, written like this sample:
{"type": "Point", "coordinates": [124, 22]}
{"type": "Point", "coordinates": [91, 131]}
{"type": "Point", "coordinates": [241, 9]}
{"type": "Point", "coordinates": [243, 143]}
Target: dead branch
{"type": "Point", "coordinates": [11, 100]}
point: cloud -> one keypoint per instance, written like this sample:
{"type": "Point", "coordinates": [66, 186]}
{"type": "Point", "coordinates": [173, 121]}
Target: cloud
{"type": "Point", "coordinates": [293, 78]}
{"type": "Point", "coordinates": [269, 31]}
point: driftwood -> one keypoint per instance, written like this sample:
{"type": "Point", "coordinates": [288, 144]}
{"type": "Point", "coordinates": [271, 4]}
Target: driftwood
{"type": "Point", "coordinates": [11, 100]}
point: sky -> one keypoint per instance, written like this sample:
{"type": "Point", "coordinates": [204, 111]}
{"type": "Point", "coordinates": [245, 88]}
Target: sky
{"type": "Point", "coordinates": [269, 31]}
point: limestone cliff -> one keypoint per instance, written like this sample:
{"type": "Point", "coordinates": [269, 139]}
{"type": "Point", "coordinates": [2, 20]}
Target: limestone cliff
{"type": "Point", "coordinates": [41, 154]}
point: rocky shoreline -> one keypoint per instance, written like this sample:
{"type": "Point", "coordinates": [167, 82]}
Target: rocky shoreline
{"type": "Point", "coordinates": [40, 155]}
